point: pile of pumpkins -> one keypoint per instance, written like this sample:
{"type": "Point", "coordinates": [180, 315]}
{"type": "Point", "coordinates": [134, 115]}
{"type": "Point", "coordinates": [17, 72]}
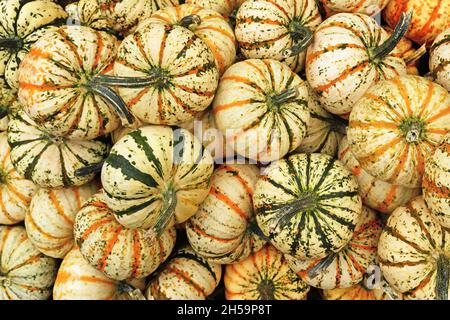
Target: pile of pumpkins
{"type": "Point", "coordinates": [156, 149]}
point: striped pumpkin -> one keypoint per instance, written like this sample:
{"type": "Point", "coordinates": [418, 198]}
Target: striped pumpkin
{"type": "Point", "coordinates": [349, 54]}
{"type": "Point", "coordinates": [185, 276]}
{"type": "Point", "coordinates": [15, 191]}
{"type": "Point", "coordinates": [177, 72]}
{"type": "Point", "coordinates": [396, 125]}
{"type": "Point", "coordinates": [23, 23]}
{"type": "Point", "coordinates": [308, 205]}
{"type": "Point", "coordinates": [8, 102]}
{"type": "Point", "coordinates": [376, 194]}
{"type": "Point", "coordinates": [210, 26]}
{"type": "Point", "coordinates": [155, 176]}
{"type": "Point", "coordinates": [49, 221]}
{"type": "Point", "coordinates": [436, 182]}
{"type": "Point", "coordinates": [78, 280]}
{"type": "Point", "coordinates": [221, 230]}
{"type": "Point", "coordinates": [88, 13]}
{"type": "Point", "coordinates": [261, 106]}
{"type": "Point", "coordinates": [430, 18]}
{"type": "Point", "coordinates": [226, 8]}
{"type": "Point", "coordinates": [25, 273]}
{"type": "Point", "coordinates": [279, 30]}
{"type": "Point", "coordinates": [264, 275]}
{"type": "Point", "coordinates": [119, 252]}
{"type": "Point", "coordinates": [50, 161]}
{"type": "Point", "coordinates": [414, 253]}
{"type": "Point", "coordinates": [347, 267]}
{"type": "Point", "coordinates": [368, 7]}
{"type": "Point", "coordinates": [440, 59]}
{"type": "Point", "coordinates": [361, 292]}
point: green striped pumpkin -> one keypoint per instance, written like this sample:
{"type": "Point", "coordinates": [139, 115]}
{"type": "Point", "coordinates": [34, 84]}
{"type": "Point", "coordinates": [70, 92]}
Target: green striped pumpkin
{"type": "Point", "coordinates": [8, 103]}
{"type": "Point", "coordinates": [440, 59]}
{"type": "Point", "coordinates": [88, 13]}
{"type": "Point", "coordinates": [50, 161]}
{"type": "Point", "coordinates": [308, 205]}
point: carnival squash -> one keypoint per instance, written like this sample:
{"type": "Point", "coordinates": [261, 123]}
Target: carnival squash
{"type": "Point", "coordinates": [368, 7]}
{"type": "Point", "coordinates": [361, 292]}
{"type": "Point", "coordinates": [8, 103]}
{"type": "Point", "coordinates": [88, 13]}
{"type": "Point", "coordinates": [440, 59]}
{"type": "Point", "coordinates": [226, 8]}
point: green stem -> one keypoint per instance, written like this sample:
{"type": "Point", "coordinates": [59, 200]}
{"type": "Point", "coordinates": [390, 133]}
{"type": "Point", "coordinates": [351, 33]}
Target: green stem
{"type": "Point", "coordinates": [191, 21]}
{"type": "Point", "coordinates": [124, 82]}
{"type": "Point", "coordinates": [443, 277]}
{"type": "Point", "coordinates": [169, 199]}
{"type": "Point", "coordinates": [127, 292]}
{"type": "Point", "coordinates": [284, 96]}
{"type": "Point", "coordinates": [304, 36]}
{"type": "Point", "coordinates": [14, 44]}
{"type": "Point", "coordinates": [255, 229]}
{"type": "Point", "coordinates": [94, 168]}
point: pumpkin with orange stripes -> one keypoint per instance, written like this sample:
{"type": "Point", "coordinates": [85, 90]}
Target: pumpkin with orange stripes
{"type": "Point", "coordinates": [261, 106]}
{"type": "Point", "coordinates": [185, 276]}
{"type": "Point", "coordinates": [88, 13]}
{"type": "Point", "coordinates": [50, 161]}
{"type": "Point", "coordinates": [226, 8]}
{"type": "Point", "coordinates": [222, 230]}
{"type": "Point", "coordinates": [78, 280]}
{"type": "Point", "coordinates": [347, 267]}
{"type": "Point", "coordinates": [25, 273]}
{"type": "Point", "coordinates": [429, 20]}
{"type": "Point", "coordinates": [440, 59]}
{"type": "Point", "coordinates": [349, 54]}
{"type": "Point", "coordinates": [207, 24]}
{"type": "Point", "coordinates": [307, 205]}
{"type": "Point", "coordinates": [414, 253]}
{"type": "Point", "coordinates": [49, 220]}
{"type": "Point", "coordinates": [280, 30]}
{"type": "Point", "coordinates": [396, 125]}
{"type": "Point", "coordinates": [376, 194]}
{"type": "Point", "coordinates": [361, 292]}
{"type": "Point", "coordinates": [264, 275]}
{"type": "Point", "coordinates": [368, 7]}
{"type": "Point", "coordinates": [117, 251]}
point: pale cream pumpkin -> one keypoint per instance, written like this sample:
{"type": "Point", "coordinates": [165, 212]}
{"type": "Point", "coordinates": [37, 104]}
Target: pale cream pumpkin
{"type": "Point", "coordinates": [368, 7]}
{"type": "Point", "coordinates": [88, 13]}
{"type": "Point", "coordinates": [440, 59]}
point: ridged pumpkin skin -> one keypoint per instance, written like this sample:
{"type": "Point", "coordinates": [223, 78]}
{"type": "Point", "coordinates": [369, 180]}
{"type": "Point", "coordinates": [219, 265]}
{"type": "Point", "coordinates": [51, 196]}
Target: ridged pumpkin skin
{"type": "Point", "coordinates": [308, 205]}
{"type": "Point", "coordinates": [221, 230]}
{"type": "Point", "coordinates": [368, 7]}
{"type": "Point", "coordinates": [440, 59]}
{"type": "Point", "coordinates": [396, 125]}
{"type": "Point", "coordinates": [265, 28]}
{"type": "Point", "coordinates": [119, 252]}
{"type": "Point", "coordinates": [250, 111]}
{"type": "Point", "coordinates": [225, 8]}
{"type": "Point", "coordinates": [78, 280]}
{"type": "Point", "coordinates": [376, 194]}
{"type": "Point", "coordinates": [436, 182]}
{"type": "Point", "coordinates": [49, 221]}
{"type": "Point", "coordinates": [15, 191]}
{"type": "Point", "coordinates": [264, 275]}
{"type": "Point", "coordinates": [153, 168]}
{"type": "Point", "coordinates": [24, 22]}
{"type": "Point", "coordinates": [185, 276]}
{"type": "Point", "coordinates": [339, 66]}
{"type": "Point", "coordinates": [25, 273]}
{"type": "Point", "coordinates": [348, 266]}
{"type": "Point", "coordinates": [49, 161]}
{"type": "Point", "coordinates": [88, 13]}
{"type": "Point", "coordinates": [54, 82]}
{"type": "Point", "coordinates": [213, 29]}
{"type": "Point", "coordinates": [414, 253]}
{"type": "Point", "coordinates": [184, 68]}
{"type": "Point", "coordinates": [359, 292]}
{"type": "Point", "coordinates": [430, 18]}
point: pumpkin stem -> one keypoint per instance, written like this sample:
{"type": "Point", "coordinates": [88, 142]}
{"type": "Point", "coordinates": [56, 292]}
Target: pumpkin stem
{"type": "Point", "coordinates": [94, 168]}
{"type": "Point", "coordinates": [169, 199]}
{"type": "Point", "coordinates": [192, 21]}
{"type": "Point", "coordinates": [266, 289]}
{"type": "Point", "coordinates": [443, 277]}
{"type": "Point", "coordinates": [412, 129]}
{"type": "Point", "coordinates": [305, 36]}
{"type": "Point", "coordinates": [124, 82]}
{"type": "Point", "coordinates": [284, 96]}
{"type": "Point", "coordinates": [255, 229]}
{"type": "Point", "coordinates": [127, 292]}
{"type": "Point", "coordinates": [323, 264]}
{"type": "Point", "coordinates": [12, 44]}
{"type": "Point", "coordinates": [400, 30]}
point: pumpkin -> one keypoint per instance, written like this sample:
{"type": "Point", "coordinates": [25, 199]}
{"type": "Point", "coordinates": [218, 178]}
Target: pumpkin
{"type": "Point", "coordinates": [361, 292]}
{"type": "Point", "coordinates": [23, 23]}
{"type": "Point", "coordinates": [307, 205]}
{"type": "Point", "coordinates": [119, 252]}
{"type": "Point", "coordinates": [156, 176]}
{"type": "Point", "coordinates": [226, 8]}
{"type": "Point", "coordinates": [25, 273]}
{"type": "Point", "coordinates": [222, 230]}
{"type": "Point", "coordinates": [376, 194]}
{"type": "Point", "coordinates": [50, 161]}
{"type": "Point", "coordinates": [207, 24]}
{"type": "Point", "coordinates": [395, 125]}
{"type": "Point", "coordinates": [279, 30]}
{"type": "Point", "coordinates": [414, 253]}
{"type": "Point", "coordinates": [347, 267]}
{"type": "Point", "coordinates": [8, 102]}
{"type": "Point", "coordinates": [78, 280]}
{"type": "Point", "coordinates": [122, 131]}
{"type": "Point", "coordinates": [49, 220]}
{"type": "Point", "coordinates": [264, 275]}
{"type": "Point", "coordinates": [349, 54]}
{"type": "Point", "coordinates": [368, 7]}
{"type": "Point", "coordinates": [88, 13]}
{"type": "Point", "coordinates": [436, 182]}
{"type": "Point", "coordinates": [439, 59]}
{"type": "Point", "coordinates": [185, 276]}
{"type": "Point", "coordinates": [430, 18]}
{"type": "Point", "coordinates": [261, 107]}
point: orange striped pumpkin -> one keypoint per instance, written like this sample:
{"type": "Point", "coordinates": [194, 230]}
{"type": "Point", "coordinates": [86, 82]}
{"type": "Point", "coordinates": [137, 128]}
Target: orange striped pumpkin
{"type": "Point", "coordinates": [49, 220]}
{"type": "Point", "coordinates": [368, 7]}
{"type": "Point", "coordinates": [221, 230]}
{"type": "Point", "coordinates": [185, 276]}
{"type": "Point", "coordinates": [376, 194]}
{"type": "Point", "coordinates": [361, 292]}
{"type": "Point", "coordinates": [119, 252]}
{"type": "Point", "coordinates": [264, 275]}
{"type": "Point", "coordinates": [396, 125]}
{"type": "Point", "coordinates": [226, 8]}
{"type": "Point", "coordinates": [440, 59]}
